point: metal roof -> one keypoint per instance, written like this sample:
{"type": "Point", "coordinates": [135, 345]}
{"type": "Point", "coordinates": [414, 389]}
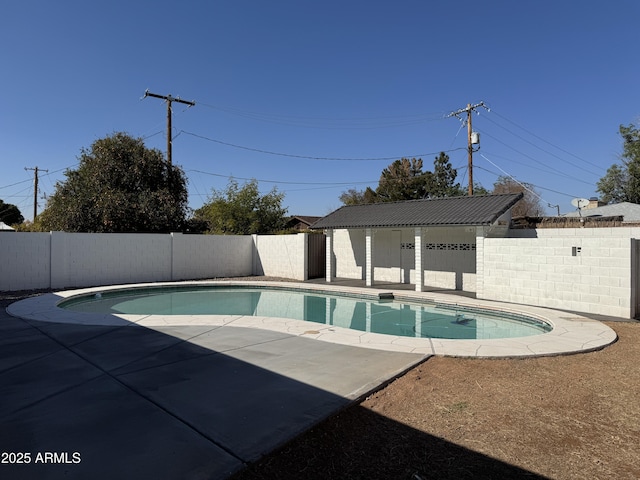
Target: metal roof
{"type": "Point", "coordinates": [458, 211]}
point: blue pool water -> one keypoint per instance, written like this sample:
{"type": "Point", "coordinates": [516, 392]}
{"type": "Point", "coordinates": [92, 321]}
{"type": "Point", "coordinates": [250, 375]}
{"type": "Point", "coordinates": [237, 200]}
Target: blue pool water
{"type": "Point", "coordinates": [357, 313]}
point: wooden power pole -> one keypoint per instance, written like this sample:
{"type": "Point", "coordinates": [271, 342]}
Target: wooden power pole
{"type": "Point", "coordinates": [169, 99]}
{"type": "Point", "coordinates": [35, 189]}
{"type": "Point", "coordinates": [470, 137]}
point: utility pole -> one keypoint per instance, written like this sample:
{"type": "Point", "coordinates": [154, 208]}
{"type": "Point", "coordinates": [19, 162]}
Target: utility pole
{"type": "Point", "coordinates": [35, 189]}
{"type": "Point", "coordinates": [169, 99]}
{"type": "Point", "coordinates": [471, 140]}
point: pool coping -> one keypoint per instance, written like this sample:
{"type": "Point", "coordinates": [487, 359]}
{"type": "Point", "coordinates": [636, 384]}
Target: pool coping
{"type": "Point", "coordinates": [571, 333]}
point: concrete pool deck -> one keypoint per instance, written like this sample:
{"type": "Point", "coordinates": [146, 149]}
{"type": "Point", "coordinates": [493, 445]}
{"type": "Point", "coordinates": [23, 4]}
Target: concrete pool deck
{"type": "Point", "coordinates": [105, 396]}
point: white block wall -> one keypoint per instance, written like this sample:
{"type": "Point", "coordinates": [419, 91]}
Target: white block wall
{"type": "Point", "coordinates": [210, 256]}
{"type": "Point", "coordinates": [59, 260]}
{"type": "Point", "coordinates": [349, 253]}
{"type": "Point", "coordinates": [25, 260]}
{"type": "Point", "coordinates": [281, 256]}
{"type": "Point", "coordinates": [450, 258]}
{"type": "Point", "coordinates": [584, 270]}
{"type": "Point", "coordinates": [84, 259]}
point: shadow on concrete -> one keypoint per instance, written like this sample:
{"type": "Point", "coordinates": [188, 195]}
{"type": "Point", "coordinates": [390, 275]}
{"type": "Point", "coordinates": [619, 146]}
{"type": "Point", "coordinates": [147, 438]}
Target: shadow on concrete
{"type": "Point", "coordinates": [191, 402]}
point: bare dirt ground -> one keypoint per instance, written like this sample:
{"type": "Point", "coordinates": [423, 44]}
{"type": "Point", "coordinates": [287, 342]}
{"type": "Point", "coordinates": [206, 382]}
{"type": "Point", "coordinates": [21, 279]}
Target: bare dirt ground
{"type": "Point", "coordinates": [566, 417]}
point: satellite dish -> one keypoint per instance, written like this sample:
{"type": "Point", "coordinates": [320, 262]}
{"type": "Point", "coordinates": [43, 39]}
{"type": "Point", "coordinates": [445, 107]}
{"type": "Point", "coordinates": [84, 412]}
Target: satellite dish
{"type": "Point", "coordinates": [580, 203]}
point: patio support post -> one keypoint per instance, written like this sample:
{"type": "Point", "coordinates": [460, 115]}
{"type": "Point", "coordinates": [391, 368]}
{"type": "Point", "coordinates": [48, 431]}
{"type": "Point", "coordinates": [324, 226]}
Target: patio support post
{"type": "Point", "coordinates": [329, 273]}
{"type": "Point", "coordinates": [480, 236]}
{"type": "Point", "coordinates": [369, 257]}
{"type": "Point", "coordinates": [419, 267]}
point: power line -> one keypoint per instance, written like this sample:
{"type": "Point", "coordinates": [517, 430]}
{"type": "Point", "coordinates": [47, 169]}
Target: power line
{"type": "Point", "coordinates": [544, 168]}
{"type": "Point", "coordinates": [17, 183]}
{"type": "Point", "coordinates": [547, 142]}
{"type": "Point", "coordinates": [331, 123]}
{"type": "Point", "coordinates": [514, 179]}
{"type": "Point", "coordinates": [258, 150]}
{"type": "Point", "coordinates": [532, 184]}
{"type": "Point", "coordinates": [559, 172]}
{"type": "Point", "coordinates": [282, 181]}
{"type": "Point", "coordinates": [520, 183]}
{"type": "Point", "coordinates": [542, 149]}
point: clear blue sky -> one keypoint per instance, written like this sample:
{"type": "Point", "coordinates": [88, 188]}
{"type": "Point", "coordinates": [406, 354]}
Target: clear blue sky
{"type": "Point", "coordinates": [341, 79]}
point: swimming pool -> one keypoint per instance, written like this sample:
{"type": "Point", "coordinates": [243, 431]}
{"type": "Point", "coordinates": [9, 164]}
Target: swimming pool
{"type": "Point", "coordinates": [571, 333]}
{"type": "Point", "coordinates": [372, 314]}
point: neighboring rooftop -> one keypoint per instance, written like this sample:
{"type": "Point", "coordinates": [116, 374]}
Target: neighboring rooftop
{"type": "Point", "coordinates": [629, 211]}
{"type": "Point", "coordinates": [454, 211]}
{"type": "Point", "coordinates": [301, 222]}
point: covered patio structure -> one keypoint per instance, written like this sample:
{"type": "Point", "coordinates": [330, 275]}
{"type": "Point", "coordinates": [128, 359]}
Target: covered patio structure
{"type": "Point", "coordinates": [421, 242]}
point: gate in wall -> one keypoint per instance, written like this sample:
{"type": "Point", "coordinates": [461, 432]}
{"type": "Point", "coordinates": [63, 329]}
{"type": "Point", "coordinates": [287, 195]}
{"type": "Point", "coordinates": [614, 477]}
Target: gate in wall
{"type": "Point", "coordinates": [316, 255]}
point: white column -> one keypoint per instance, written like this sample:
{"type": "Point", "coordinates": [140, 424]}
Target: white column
{"type": "Point", "coordinates": [480, 262]}
{"type": "Point", "coordinates": [369, 257]}
{"type": "Point", "coordinates": [328, 269]}
{"type": "Point", "coordinates": [419, 266]}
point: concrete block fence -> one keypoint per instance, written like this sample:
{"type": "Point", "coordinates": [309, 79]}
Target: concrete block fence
{"type": "Point", "coordinates": [589, 270]}
{"type": "Point", "coordinates": [60, 260]}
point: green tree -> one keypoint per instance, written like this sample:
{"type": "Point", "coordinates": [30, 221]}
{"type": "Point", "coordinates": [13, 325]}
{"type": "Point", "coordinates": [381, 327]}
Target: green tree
{"type": "Point", "coordinates": [10, 214]}
{"type": "Point", "coordinates": [621, 183]}
{"type": "Point", "coordinates": [405, 179]}
{"type": "Point", "coordinates": [613, 186]}
{"type": "Point", "coordinates": [478, 189]}
{"type": "Point", "coordinates": [28, 226]}
{"type": "Point", "coordinates": [443, 178]}
{"type": "Point", "coordinates": [357, 197]}
{"type": "Point", "coordinates": [529, 205]}
{"type": "Point", "coordinates": [243, 211]}
{"type": "Point", "coordinates": [119, 186]}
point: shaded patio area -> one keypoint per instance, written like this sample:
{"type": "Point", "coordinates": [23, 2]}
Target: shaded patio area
{"type": "Point", "coordinates": [379, 285]}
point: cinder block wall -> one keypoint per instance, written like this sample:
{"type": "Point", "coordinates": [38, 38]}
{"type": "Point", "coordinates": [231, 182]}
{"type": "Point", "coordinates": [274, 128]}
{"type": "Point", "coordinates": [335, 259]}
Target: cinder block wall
{"type": "Point", "coordinates": [584, 270]}
{"type": "Point", "coordinates": [210, 256]}
{"type": "Point", "coordinates": [450, 258]}
{"type": "Point", "coordinates": [59, 260]}
{"type": "Point", "coordinates": [85, 259]}
{"type": "Point", "coordinates": [349, 253]}
{"type": "Point", "coordinates": [281, 256]}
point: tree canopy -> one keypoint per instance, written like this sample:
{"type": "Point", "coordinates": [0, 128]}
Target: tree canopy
{"type": "Point", "coordinates": [529, 205]}
{"type": "Point", "coordinates": [119, 186]}
{"type": "Point", "coordinates": [10, 214]}
{"type": "Point", "coordinates": [405, 179]}
{"type": "Point", "coordinates": [621, 183]}
{"type": "Point", "coordinates": [241, 210]}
